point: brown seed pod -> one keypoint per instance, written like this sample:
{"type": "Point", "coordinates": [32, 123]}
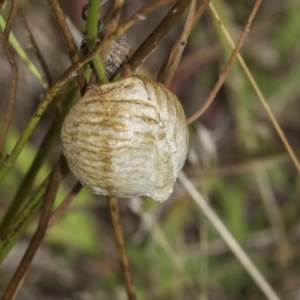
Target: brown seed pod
{"type": "Point", "coordinates": [126, 139]}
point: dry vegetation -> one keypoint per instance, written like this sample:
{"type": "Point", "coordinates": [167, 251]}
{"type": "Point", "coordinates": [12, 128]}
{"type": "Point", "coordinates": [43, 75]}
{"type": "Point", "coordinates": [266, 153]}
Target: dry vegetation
{"type": "Point", "coordinates": [237, 161]}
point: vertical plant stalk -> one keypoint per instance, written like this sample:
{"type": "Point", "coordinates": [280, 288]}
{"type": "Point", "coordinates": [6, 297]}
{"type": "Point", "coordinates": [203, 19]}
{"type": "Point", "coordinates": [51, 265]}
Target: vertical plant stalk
{"type": "Point", "coordinates": [157, 34]}
{"type": "Point", "coordinates": [112, 17]}
{"type": "Point", "coordinates": [35, 48]}
{"type": "Point", "coordinates": [169, 67]}
{"type": "Point", "coordinates": [111, 21]}
{"type": "Point", "coordinates": [39, 234]}
{"type": "Point", "coordinates": [14, 74]}
{"type": "Point", "coordinates": [228, 66]}
{"type": "Point", "coordinates": [229, 239]}
{"type": "Point", "coordinates": [175, 55]}
{"type": "Point", "coordinates": [113, 209]}
{"type": "Point", "coordinates": [73, 53]}
{"type": "Point", "coordinates": [92, 38]}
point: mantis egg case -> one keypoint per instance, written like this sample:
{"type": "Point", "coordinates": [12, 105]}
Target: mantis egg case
{"type": "Point", "coordinates": [126, 139]}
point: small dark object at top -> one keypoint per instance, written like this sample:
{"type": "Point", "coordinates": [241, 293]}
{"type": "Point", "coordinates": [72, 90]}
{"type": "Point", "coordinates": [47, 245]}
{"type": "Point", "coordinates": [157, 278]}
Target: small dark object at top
{"type": "Point", "coordinates": [119, 51]}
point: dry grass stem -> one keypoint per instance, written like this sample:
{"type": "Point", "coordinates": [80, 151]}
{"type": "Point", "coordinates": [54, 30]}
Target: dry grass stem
{"type": "Point", "coordinates": [228, 66]}
{"type": "Point", "coordinates": [64, 28]}
{"type": "Point", "coordinates": [14, 74]}
{"type": "Point", "coordinates": [228, 238]}
{"type": "Point", "coordinates": [200, 11]}
{"type": "Point", "coordinates": [260, 95]}
{"type": "Point", "coordinates": [170, 66]}
{"type": "Point", "coordinates": [112, 17]}
{"type": "Point", "coordinates": [157, 34]}
{"type": "Point", "coordinates": [35, 47]}
{"type": "Point", "coordinates": [177, 50]}
{"type": "Point", "coordinates": [111, 20]}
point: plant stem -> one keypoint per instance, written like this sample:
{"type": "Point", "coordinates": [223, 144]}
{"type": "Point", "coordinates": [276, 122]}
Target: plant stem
{"type": "Point", "coordinates": [228, 65]}
{"type": "Point", "coordinates": [157, 34]}
{"type": "Point", "coordinates": [92, 37]}
{"type": "Point", "coordinates": [228, 238]}
{"type": "Point", "coordinates": [68, 39]}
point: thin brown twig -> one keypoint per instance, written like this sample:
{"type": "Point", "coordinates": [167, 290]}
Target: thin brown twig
{"type": "Point", "coordinates": [261, 97]}
{"type": "Point", "coordinates": [200, 11]}
{"type": "Point", "coordinates": [111, 20]}
{"type": "Point", "coordinates": [228, 238]}
{"type": "Point", "coordinates": [112, 17]}
{"type": "Point", "coordinates": [113, 209]}
{"type": "Point", "coordinates": [149, 8]}
{"type": "Point", "coordinates": [73, 54]}
{"type": "Point", "coordinates": [157, 34]}
{"type": "Point", "coordinates": [64, 205]}
{"type": "Point", "coordinates": [14, 74]}
{"type": "Point", "coordinates": [177, 50]}
{"type": "Point", "coordinates": [131, 21]}
{"type": "Point", "coordinates": [228, 66]}
{"type": "Point", "coordinates": [35, 48]}
{"type": "Point", "coordinates": [39, 234]}
{"type": "Point", "coordinates": [116, 9]}
{"type": "Point", "coordinates": [171, 65]}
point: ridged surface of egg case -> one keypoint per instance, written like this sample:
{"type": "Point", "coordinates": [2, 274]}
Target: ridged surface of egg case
{"type": "Point", "coordinates": [126, 139]}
